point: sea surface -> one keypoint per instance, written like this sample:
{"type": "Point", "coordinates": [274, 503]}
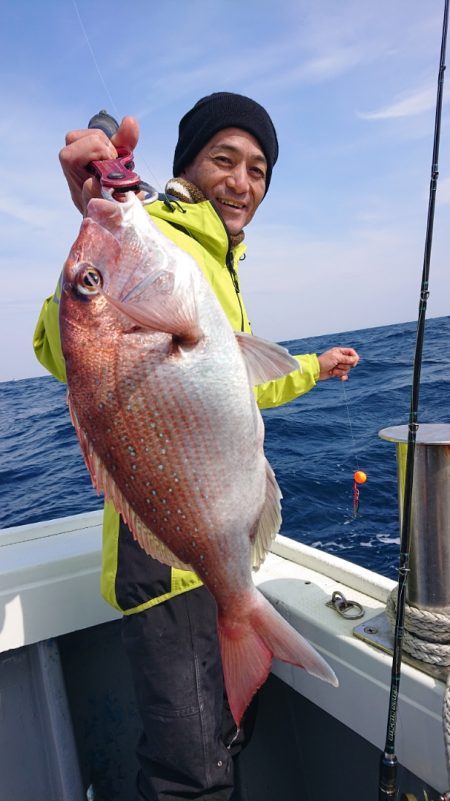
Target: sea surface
{"type": "Point", "coordinates": [315, 444]}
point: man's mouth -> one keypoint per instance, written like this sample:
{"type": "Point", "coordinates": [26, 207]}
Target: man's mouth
{"type": "Point", "coordinates": [233, 204]}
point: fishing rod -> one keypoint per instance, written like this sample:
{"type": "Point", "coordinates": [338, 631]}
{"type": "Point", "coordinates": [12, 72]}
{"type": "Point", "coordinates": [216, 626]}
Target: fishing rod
{"type": "Point", "coordinates": [388, 785]}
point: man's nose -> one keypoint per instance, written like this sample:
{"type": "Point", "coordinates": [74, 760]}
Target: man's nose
{"type": "Point", "coordinates": [238, 178]}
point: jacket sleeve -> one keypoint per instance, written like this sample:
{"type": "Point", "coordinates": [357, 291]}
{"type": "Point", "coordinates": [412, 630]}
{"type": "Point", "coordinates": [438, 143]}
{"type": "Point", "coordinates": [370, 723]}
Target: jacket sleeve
{"type": "Point", "coordinates": [46, 340]}
{"type": "Point", "coordinates": [282, 390]}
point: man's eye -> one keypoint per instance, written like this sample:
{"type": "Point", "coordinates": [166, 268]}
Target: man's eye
{"type": "Point", "coordinates": [258, 172]}
{"type": "Point", "coordinates": [223, 160]}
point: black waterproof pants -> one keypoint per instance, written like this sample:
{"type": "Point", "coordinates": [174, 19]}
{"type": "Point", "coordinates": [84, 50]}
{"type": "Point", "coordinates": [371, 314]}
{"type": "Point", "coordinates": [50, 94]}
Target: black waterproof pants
{"type": "Point", "coordinates": [189, 740]}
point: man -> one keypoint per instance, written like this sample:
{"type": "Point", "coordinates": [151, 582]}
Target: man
{"type": "Point", "coordinates": [223, 162]}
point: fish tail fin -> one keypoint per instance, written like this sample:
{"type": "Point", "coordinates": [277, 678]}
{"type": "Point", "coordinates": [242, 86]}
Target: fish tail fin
{"type": "Point", "coordinates": [247, 649]}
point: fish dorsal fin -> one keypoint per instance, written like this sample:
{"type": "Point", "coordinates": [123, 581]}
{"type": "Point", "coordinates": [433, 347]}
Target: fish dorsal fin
{"type": "Point", "coordinates": [104, 483]}
{"type": "Point", "coordinates": [265, 360]}
{"type": "Point", "coordinates": [163, 301]}
{"type": "Point", "coordinates": [269, 522]}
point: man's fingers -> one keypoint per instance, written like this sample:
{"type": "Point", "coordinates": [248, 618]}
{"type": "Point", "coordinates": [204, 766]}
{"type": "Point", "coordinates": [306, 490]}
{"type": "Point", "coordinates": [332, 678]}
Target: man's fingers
{"type": "Point", "coordinates": [127, 134]}
{"type": "Point", "coordinates": [73, 136]}
{"type": "Point", "coordinates": [91, 188]}
{"type": "Point", "coordinates": [91, 146]}
{"type": "Point", "coordinates": [347, 355]}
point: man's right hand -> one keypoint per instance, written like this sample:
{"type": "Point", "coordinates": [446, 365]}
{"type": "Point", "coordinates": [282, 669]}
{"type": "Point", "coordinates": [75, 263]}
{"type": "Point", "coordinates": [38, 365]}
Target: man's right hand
{"type": "Point", "coordinates": [91, 144]}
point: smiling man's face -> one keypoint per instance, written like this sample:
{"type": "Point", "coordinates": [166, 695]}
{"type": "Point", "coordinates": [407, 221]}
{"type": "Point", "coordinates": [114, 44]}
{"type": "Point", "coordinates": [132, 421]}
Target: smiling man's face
{"type": "Point", "coordinates": [231, 172]}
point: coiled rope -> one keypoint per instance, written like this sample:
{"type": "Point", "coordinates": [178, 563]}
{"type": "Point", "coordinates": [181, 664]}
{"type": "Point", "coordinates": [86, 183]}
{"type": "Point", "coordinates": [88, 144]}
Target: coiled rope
{"type": "Point", "coordinates": [426, 637]}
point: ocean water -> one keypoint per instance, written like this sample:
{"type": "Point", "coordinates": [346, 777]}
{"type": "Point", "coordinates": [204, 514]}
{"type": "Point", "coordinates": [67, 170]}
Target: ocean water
{"type": "Point", "coordinates": [314, 444]}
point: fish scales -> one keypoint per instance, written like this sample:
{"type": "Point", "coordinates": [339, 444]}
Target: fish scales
{"type": "Point", "coordinates": [160, 392]}
{"type": "Point", "coordinates": [174, 453]}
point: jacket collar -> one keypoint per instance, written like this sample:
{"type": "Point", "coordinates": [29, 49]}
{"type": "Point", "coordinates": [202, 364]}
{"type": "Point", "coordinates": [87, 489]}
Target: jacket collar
{"type": "Point", "coordinates": [186, 191]}
{"type": "Point", "coordinates": [185, 206]}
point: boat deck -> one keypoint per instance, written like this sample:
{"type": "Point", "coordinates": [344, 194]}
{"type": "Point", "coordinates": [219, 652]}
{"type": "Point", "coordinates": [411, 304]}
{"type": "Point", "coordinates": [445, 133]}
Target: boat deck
{"type": "Point", "coordinates": [54, 625]}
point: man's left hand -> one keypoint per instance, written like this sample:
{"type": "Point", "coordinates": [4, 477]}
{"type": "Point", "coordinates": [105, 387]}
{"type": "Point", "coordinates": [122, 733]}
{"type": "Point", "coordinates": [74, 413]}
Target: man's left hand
{"type": "Point", "coordinates": [337, 363]}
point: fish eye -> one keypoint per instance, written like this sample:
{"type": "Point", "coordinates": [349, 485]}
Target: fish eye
{"type": "Point", "coordinates": [89, 280]}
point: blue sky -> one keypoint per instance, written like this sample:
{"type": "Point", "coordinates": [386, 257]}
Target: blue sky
{"type": "Point", "coordinates": [338, 243]}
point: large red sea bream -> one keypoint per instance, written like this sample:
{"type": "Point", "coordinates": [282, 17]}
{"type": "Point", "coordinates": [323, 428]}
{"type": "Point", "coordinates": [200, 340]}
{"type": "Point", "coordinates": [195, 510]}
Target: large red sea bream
{"type": "Point", "coordinates": [160, 393]}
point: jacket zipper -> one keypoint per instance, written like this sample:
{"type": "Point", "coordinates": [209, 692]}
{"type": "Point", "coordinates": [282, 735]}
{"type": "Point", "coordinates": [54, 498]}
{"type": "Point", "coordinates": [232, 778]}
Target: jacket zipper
{"type": "Point", "coordinates": [229, 261]}
{"type": "Point", "coordinates": [230, 264]}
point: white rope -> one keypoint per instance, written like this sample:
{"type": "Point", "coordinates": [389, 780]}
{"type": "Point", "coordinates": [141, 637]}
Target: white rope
{"type": "Point", "coordinates": [446, 722]}
{"type": "Point", "coordinates": [426, 637]}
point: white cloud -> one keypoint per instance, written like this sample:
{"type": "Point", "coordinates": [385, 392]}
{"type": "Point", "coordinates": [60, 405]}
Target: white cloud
{"type": "Point", "coordinates": [22, 210]}
{"type": "Point", "coordinates": [321, 67]}
{"type": "Point", "coordinates": [334, 63]}
{"type": "Point", "coordinates": [408, 105]}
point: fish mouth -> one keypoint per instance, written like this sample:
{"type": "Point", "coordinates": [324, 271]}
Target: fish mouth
{"type": "Point", "coordinates": [107, 212]}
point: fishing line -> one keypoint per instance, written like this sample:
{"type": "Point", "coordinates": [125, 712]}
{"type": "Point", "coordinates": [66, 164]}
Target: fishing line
{"type": "Point", "coordinates": [105, 86]}
{"type": "Point", "coordinates": [388, 784]}
{"type": "Point", "coordinates": [359, 477]}
{"type": "Point", "coordinates": [344, 392]}
{"type": "Point", "coordinates": [96, 64]}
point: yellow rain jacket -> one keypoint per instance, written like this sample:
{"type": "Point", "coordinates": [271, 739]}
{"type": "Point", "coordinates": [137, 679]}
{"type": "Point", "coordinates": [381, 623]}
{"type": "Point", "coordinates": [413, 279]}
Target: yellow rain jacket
{"type": "Point", "coordinates": [131, 580]}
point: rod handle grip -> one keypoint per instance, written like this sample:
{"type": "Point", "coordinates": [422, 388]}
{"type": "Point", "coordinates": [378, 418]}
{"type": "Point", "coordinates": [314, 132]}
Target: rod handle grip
{"type": "Point", "coordinates": [104, 122]}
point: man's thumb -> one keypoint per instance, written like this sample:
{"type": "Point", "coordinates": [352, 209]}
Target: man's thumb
{"type": "Point", "coordinates": [127, 134]}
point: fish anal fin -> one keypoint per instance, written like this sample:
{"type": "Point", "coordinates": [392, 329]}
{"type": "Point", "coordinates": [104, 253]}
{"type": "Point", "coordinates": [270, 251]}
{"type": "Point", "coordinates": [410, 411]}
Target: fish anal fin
{"type": "Point", "coordinates": [269, 522]}
{"type": "Point", "coordinates": [265, 361]}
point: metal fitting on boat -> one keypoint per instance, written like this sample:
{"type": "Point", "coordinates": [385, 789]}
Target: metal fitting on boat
{"type": "Point", "coordinates": [352, 610]}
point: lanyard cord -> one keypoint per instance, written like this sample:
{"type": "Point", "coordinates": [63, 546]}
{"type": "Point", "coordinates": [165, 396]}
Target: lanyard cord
{"type": "Point", "coordinates": [388, 765]}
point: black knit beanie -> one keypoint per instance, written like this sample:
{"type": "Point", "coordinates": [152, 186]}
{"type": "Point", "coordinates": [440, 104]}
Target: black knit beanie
{"type": "Point", "coordinates": [216, 112]}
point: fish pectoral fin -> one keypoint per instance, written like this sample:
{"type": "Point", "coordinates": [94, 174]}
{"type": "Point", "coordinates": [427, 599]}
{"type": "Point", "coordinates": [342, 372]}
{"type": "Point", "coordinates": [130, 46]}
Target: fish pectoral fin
{"type": "Point", "coordinates": [162, 303]}
{"type": "Point", "coordinates": [269, 521]}
{"type": "Point", "coordinates": [264, 360]}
